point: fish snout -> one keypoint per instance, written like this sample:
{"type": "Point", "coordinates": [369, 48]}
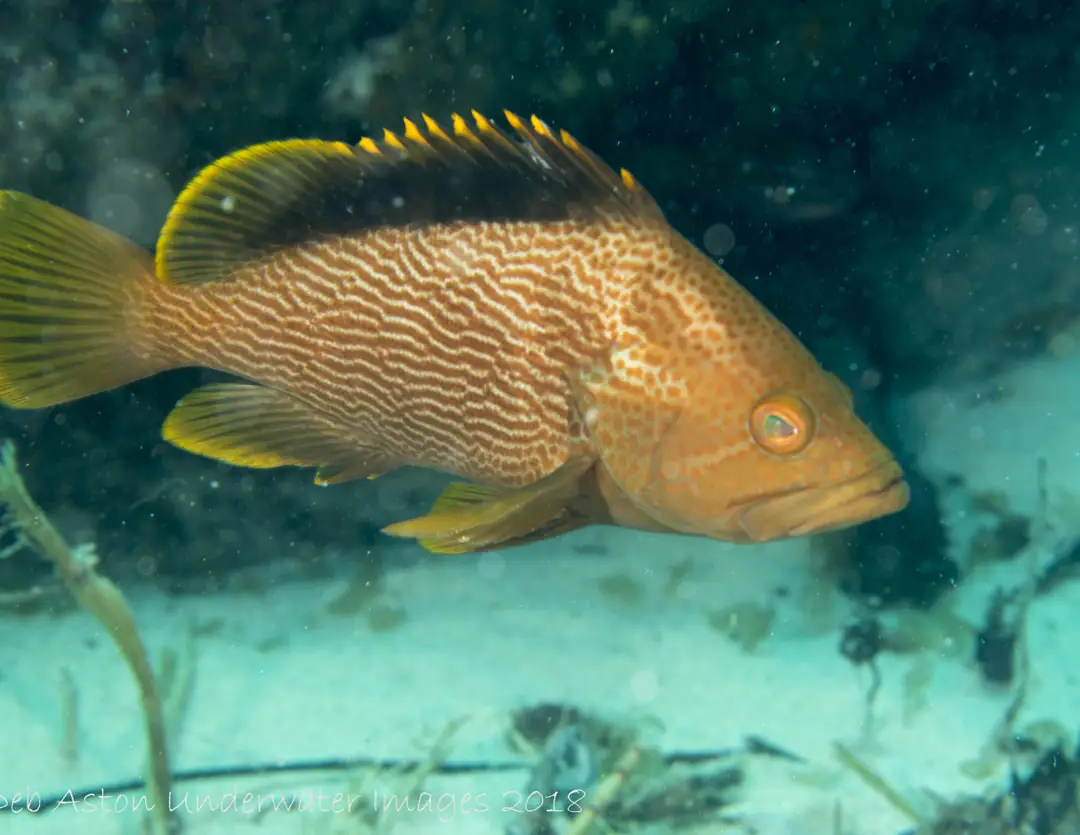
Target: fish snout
{"type": "Point", "coordinates": [828, 507]}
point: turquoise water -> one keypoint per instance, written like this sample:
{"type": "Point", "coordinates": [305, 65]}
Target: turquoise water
{"type": "Point", "coordinates": [895, 181]}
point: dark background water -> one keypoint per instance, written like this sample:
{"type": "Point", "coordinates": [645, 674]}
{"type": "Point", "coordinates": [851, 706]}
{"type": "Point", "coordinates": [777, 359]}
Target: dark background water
{"type": "Point", "coordinates": [896, 180]}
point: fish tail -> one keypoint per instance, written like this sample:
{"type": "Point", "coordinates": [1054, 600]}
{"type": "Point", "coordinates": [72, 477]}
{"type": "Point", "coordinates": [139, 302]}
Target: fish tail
{"type": "Point", "coordinates": [69, 296]}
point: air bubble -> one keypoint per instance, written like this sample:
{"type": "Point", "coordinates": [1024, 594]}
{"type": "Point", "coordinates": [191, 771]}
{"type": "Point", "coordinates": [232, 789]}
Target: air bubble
{"type": "Point", "coordinates": [719, 240]}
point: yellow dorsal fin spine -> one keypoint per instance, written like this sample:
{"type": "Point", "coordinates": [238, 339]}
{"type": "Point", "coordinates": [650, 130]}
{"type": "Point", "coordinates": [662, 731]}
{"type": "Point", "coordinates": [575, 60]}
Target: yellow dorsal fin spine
{"type": "Point", "coordinates": [413, 134]}
{"type": "Point", "coordinates": [492, 133]}
{"type": "Point", "coordinates": [390, 138]}
{"type": "Point", "coordinates": [369, 145]}
{"type": "Point", "coordinates": [464, 134]}
{"type": "Point", "coordinates": [526, 134]}
{"type": "Point", "coordinates": [435, 130]}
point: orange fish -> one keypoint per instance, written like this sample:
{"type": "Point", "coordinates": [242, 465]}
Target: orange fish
{"type": "Point", "coordinates": [500, 306]}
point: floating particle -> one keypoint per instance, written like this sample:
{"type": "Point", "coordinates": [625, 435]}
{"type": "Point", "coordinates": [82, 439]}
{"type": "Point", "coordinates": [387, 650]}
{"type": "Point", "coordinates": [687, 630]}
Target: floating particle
{"type": "Point", "coordinates": [719, 240]}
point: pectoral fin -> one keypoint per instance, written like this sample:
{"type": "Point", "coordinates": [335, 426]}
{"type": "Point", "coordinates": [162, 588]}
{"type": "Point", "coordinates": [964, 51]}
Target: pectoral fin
{"type": "Point", "coordinates": [470, 517]}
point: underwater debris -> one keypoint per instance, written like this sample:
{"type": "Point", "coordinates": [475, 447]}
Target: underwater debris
{"type": "Point", "coordinates": [916, 684]}
{"type": "Point", "coordinates": [853, 763]}
{"type": "Point", "coordinates": [76, 569]}
{"type": "Point", "coordinates": [623, 590]}
{"type": "Point", "coordinates": [1001, 542]}
{"type": "Point", "coordinates": [676, 575]}
{"type": "Point", "coordinates": [31, 599]}
{"type": "Point", "coordinates": [404, 779]}
{"type": "Point", "coordinates": [1064, 568]}
{"type": "Point", "coordinates": [176, 682]}
{"type": "Point", "coordinates": [861, 641]}
{"type": "Point", "coordinates": [1050, 539]}
{"type": "Point", "coordinates": [365, 595]}
{"type": "Point", "coordinates": [1056, 531]}
{"type": "Point", "coordinates": [627, 784]}
{"type": "Point", "coordinates": [531, 727]}
{"type": "Point", "coordinates": [606, 793]}
{"type": "Point", "coordinates": [69, 717]}
{"type": "Point", "coordinates": [32, 596]}
{"type": "Point", "coordinates": [566, 765]}
{"type": "Point", "coordinates": [995, 643]}
{"type": "Point", "coordinates": [763, 748]}
{"type": "Point", "coordinates": [382, 617]}
{"type": "Point", "coordinates": [938, 631]}
{"type": "Point", "coordinates": [387, 785]}
{"type": "Point", "coordinates": [363, 589]}
{"type": "Point", "coordinates": [674, 795]}
{"type": "Point", "coordinates": [1010, 534]}
{"type": "Point", "coordinates": [1003, 739]}
{"type": "Point", "coordinates": [1047, 800]}
{"type": "Point", "coordinates": [746, 624]}
{"type": "Point", "coordinates": [860, 644]}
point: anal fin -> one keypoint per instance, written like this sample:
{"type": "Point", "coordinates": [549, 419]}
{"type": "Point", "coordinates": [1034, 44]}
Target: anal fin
{"type": "Point", "coordinates": [254, 426]}
{"type": "Point", "coordinates": [468, 518]}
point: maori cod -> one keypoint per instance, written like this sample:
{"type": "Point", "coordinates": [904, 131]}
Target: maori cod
{"type": "Point", "coordinates": [497, 305]}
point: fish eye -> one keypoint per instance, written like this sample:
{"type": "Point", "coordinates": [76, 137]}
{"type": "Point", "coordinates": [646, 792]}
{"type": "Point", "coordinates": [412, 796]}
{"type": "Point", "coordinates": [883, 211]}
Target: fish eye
{"type": "Point", "coordinates": [782, 423]}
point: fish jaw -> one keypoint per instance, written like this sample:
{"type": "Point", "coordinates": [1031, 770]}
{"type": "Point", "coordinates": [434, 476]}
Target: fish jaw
{"type": "Point", "coordinates": [870, 495]}
{"type": "Point", "coordinates": [620, 509]}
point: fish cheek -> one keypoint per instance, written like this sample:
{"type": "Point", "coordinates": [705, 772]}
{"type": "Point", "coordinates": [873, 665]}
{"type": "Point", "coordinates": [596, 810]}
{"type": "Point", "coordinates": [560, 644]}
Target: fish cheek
{"type": "Point", "coordinates": [695, 472]}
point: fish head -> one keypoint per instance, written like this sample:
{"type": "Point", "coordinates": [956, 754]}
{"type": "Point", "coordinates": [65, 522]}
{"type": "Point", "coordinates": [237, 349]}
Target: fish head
{"type": "Point", "coordinates": [767, 459]}
{"type": "Point", "coordinates": [732, 430]}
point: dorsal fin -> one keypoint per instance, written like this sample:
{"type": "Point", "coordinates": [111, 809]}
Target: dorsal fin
{"type": "Point", "coordinates": [244, 207]}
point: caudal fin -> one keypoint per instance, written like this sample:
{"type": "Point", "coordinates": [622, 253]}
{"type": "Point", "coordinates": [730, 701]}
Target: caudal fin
{"type": "Point", "coordinates": [67, 290]}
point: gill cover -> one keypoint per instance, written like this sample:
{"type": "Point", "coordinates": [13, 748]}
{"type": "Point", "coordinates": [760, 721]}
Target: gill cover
{"type": "Point", "coordinates": [630, 399]}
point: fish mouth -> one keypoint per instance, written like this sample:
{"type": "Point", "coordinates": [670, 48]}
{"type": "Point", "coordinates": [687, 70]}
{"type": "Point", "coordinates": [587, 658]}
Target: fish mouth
{"type": "Point", "coordinates": [879, 492]}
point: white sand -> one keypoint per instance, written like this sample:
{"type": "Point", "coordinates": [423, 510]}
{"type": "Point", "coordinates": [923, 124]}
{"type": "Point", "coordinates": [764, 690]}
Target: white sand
{"type": "Point", "coordinates": [282, 679]}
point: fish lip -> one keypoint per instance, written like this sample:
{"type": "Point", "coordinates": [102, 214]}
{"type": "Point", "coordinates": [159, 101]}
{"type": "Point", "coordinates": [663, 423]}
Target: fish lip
{"type": "Point", "coordinates": [891, 497]}
{"type": "Point", "coordinates": [870, 495]}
